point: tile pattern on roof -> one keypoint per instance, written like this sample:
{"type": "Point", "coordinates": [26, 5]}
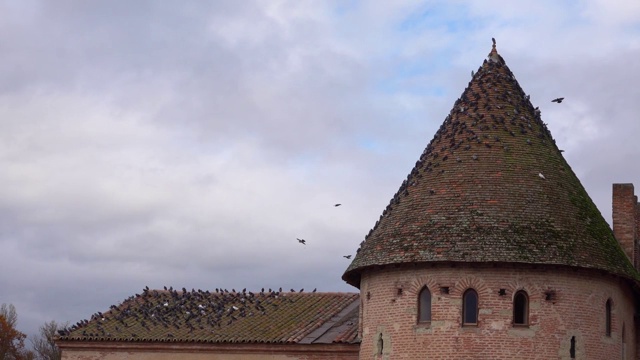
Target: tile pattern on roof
{"type": "Point", "coordinates": [222, 317]}
{"type": "Point", "coordinates": [492, 186]}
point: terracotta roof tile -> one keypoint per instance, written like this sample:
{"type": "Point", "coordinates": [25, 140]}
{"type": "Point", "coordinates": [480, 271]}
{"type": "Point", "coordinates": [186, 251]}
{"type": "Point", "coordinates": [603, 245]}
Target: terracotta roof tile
{"type": "Point", "coordinates": [223, 317]}
{"type": "Point", "coordinates": [492, 186]}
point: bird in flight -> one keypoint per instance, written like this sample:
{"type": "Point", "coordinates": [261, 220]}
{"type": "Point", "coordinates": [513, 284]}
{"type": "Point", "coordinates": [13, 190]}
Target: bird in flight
{"type": "Point", "coordinates": [302, 241]}
{"type": "Point", "coordinates": [336, 205]}
{"type": "Point", "coordinates": [558, 100]}
{"type": "Point", "coordinates": [347, 256]}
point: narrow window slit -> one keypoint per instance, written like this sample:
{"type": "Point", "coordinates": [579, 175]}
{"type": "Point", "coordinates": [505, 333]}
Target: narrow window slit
{"type": "Point", "coordinates": [470, 307]}
{"type": "Point", "coordinates": [424, 306]}
{"type": "Point", "coordinates": [521, 308]}
{"type": "Point", "coordinates": [572, 351]}
{"type": "Point", "coordinates": [607, 324]}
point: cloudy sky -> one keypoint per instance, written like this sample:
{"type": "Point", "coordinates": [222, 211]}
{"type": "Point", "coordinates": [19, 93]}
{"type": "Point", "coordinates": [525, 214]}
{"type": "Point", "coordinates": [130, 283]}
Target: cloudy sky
{"type": "Point", "coordinates": [189, 143]}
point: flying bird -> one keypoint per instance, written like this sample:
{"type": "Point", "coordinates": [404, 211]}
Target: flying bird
{"type": "Point", "coordinates": [302, 241]}
{"type": "Point", "coordinates": [557, 100]}
{"type": "Point", "coordinates": [541, 176]}
{"type": "Point", "coordinates": [336, 205]}
{"type": "Point", "coordinates": [347, 256]}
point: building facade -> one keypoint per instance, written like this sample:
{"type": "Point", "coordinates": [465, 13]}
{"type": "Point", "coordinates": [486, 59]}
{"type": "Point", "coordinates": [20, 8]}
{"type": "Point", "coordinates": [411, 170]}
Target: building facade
{"type": "Point", "coordinates": [491, 249]}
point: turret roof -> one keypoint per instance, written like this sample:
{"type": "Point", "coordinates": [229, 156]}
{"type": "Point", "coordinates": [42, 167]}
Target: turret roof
{"type": "Point", "coordinates": [492, 187]}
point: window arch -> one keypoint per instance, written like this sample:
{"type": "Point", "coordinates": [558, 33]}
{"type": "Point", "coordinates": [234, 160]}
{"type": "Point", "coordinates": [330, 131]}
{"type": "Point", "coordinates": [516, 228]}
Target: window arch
{"type": "Point", "coordinates": [424, 305]}
{"type": "Point", "coordinates": [521, 308]}
{"type": "Point", "coordinates": [607, 319]}
{"type": "Point", "coordinates": [470, 307]}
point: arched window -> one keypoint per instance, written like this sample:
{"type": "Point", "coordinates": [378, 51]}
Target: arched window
{"type": "Point", "coordinates": [521, 308]}
{"type": "Point", "coordinates": [470, 307]}
{"type": "Point", "coordinates": [607, 319]}
{"type": "Point", "coordinates": [424, 305]}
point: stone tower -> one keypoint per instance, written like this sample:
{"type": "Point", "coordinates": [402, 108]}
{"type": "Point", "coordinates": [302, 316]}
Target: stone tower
{"type": "Point", "coordinates": [492, 248]}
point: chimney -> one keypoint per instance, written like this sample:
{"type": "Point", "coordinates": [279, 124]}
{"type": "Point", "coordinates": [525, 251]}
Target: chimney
{"type": "Point", "coordinates": [626, 220]}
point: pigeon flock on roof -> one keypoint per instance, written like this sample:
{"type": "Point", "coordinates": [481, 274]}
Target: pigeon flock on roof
{"type": "Point", "coordinates": [210, 316]}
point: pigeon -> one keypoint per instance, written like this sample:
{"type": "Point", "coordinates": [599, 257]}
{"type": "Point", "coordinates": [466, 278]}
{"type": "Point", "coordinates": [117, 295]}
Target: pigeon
{"type": "Point", "coordinates": [557, 100]}
{"type": "Point", "coordinates": [302, 241]}
{"type": "Point", "coordinates": [347, 256]}
{"type": "Point", "coordinates": [494, 41]}
{"type": "Point", "coordinates": [541, 176]}
{"type": "Point", "coordinates": [336, 205]}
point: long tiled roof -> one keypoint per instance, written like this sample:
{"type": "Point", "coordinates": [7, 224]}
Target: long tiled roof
{"type": "Point", "coordinates": [224, 317]}
{"type": "Point", "coordinates": [492, 186]}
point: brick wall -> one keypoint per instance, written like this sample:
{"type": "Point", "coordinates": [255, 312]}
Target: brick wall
{"type": "Point", "coordinates": [637, 240]}
{"type": "Point", "coordinates": [625, 220]}
{"type": "Point", "coordinates": [192, 351]}
{"type": "Point", "coordinates": [563, 303]}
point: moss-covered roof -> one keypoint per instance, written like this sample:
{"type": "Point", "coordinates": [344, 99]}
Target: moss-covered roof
{"type": "Point", "coordinates": [224, 317]}
{"type": "Point", "coordinates": [492, 186]}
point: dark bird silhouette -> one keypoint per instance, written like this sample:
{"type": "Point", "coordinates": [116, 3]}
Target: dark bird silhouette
{"type": "Point", "coordinates": [347, 256]}
{"type": "Point", "coordinates": [302, 241]}
{"type": "Point", "coordinates": [336, 205]}
{"type": "Point", "coordinates": [494, 41]}
{"type": "Point", "coordinates": [557, 100]}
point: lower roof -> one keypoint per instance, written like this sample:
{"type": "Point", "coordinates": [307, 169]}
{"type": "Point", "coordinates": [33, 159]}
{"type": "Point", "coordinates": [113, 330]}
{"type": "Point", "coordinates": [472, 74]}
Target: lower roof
{"type": "Point", "coordinates": [224, 317]}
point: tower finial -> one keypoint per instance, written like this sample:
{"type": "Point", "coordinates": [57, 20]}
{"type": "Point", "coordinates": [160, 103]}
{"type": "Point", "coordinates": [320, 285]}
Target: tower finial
{"type": "Point", "coordinates": [493, 55]}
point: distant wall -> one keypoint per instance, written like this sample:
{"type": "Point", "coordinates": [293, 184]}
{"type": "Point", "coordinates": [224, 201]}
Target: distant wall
{"type": "Point", "coordinates": [564, 303]}
{"type": "Point", "coordinates": [189, 351]}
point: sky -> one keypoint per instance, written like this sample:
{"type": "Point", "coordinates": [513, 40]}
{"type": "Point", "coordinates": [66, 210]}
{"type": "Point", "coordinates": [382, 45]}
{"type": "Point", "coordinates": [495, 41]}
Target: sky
{"type": "Point", "coordinates": [190, 143]}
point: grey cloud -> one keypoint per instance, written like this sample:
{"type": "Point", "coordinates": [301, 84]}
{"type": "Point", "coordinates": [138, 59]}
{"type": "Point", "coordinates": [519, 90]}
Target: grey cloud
{"type": "Point", "coordinates": [149, 144]}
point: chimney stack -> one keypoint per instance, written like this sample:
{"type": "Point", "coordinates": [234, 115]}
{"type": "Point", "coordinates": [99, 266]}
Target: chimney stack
{"type": "Point", "coordinates": [626, 221]}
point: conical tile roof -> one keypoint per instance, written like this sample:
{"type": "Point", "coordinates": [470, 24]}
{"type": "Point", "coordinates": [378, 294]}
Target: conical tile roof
{"type": "Point", "coordinates": [492, 186]}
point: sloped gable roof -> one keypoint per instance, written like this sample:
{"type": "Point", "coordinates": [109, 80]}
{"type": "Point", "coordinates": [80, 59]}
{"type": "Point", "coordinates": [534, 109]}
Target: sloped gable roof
{"type": "Point", "coordinates": [492, 186]}
{"type": "Point", "coordinates": [224, 317]}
